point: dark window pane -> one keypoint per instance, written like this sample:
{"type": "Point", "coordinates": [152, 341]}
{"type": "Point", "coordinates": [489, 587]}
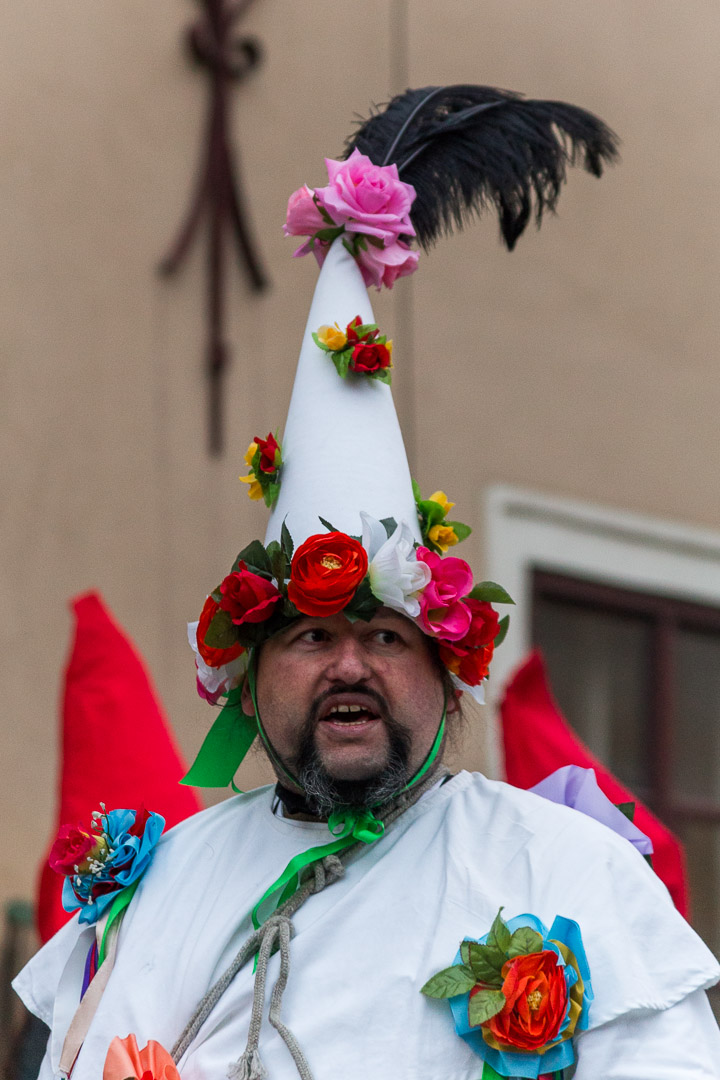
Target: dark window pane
{"type": "Point", "coordinates": [599, 668]}
{"type": "Point", "coordinates": [696, 741]}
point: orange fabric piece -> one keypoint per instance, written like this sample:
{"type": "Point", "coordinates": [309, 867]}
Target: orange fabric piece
{"type": "Point", "coordinates": [125, 1061]}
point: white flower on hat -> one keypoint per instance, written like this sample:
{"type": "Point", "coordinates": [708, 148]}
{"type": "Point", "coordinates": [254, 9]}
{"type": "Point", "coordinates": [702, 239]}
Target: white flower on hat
{"type": "Point", "coordinates": [396, 576]}
{"type": "Point", "coordinates": [476, 692]}
{"type": "Point", "coordinates": [216, 681]}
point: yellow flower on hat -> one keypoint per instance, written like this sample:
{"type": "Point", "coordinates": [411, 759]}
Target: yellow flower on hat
{"type": "Point", "coordinates": [443, 536]}
{"type": "Point", "coordinates": [441, 499]}
{"type": "Point", "coordinates": [254, 491]}
{"type": "Point", "coordinates": [332, 337]}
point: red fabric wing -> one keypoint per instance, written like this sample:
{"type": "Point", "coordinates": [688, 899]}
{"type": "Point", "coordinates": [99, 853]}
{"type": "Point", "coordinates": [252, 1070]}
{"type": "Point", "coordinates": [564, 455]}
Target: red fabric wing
{"type": "Point", "coordinates": [537, 740]}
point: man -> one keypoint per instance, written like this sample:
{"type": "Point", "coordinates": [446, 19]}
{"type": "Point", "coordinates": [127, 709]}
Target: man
{"type": "Point", "coordinates": [369, 885]}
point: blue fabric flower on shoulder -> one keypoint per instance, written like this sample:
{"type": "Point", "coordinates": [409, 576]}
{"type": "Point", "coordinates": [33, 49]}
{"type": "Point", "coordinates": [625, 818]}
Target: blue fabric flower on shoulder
{"type": "Point", "coordinates": [105, 860]}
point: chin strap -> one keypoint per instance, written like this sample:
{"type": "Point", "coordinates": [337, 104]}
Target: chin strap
{"type": "Point", "coordinates": [224, 748]}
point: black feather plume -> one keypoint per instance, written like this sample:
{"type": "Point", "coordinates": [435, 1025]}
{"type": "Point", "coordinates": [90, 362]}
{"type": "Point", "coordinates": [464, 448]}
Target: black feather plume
{"type": "Point", "coordinates": [465, 148]}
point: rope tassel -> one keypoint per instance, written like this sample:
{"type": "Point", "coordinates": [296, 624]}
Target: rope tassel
{"type": "Point", "coordinates": [249, 1067]}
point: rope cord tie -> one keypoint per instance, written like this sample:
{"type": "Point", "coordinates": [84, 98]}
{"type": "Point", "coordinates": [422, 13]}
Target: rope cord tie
{"type": "Point", "coordinates": [275, 934]}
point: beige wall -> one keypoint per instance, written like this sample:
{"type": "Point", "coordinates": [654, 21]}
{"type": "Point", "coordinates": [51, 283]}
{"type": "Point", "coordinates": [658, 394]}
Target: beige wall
{"type": "Point", "coordinates": [583, 364]}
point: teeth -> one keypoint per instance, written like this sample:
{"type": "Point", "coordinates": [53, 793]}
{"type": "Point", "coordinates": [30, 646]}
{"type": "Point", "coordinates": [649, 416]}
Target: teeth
{"type": "Point", "coordinates": [348, 708]}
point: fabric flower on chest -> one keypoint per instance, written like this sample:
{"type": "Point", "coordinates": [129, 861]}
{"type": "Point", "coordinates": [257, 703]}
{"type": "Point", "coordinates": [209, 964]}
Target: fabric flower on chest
{"type": "Point", "coordinates": [125, 1061]}
{"type": "Point", "coordinates": [519, 994]}
{"type": "Point", "coordinates": [102, 861]}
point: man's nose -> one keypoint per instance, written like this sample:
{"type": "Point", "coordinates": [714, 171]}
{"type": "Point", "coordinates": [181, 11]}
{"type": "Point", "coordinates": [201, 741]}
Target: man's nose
{"type": "Point", "coordinates": [348, 662]}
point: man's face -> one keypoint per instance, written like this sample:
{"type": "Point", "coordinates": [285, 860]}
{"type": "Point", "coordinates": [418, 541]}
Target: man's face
{"type": "Point", "coordinates": [359, 703]}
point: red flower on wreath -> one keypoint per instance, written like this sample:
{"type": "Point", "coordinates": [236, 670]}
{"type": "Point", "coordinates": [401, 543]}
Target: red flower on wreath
{"type": "Point", "coordinates": [213, 657]}
{"type": "Point", "coordinates": [470, 657]}
{"type": "Point", "coordinates": [268, 450]}
{"type": "Point", "coordinates": [352, 335]}
{"type": "Point", "coordinates": [325, 572]}
{"type": "Point", "coordinates": [247, 597]}
{"type": "Point", "coordinates": [371, 356]}
{"type": "Point", "coordinates": [536, 996]}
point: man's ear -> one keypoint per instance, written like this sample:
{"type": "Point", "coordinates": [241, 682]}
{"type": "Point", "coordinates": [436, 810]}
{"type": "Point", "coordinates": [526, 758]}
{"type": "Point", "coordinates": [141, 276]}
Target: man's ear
{"type": "Point", "coordinates": [246, 698]}
{"type": "Point", "coordinates": [453, 702]}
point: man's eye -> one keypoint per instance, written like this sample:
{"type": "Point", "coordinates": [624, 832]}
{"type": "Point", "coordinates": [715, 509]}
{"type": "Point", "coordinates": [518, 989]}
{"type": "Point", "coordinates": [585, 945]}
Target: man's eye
{"type": "Point", "coordinates": [387, 637]}
{"type": "Point", "coordinates": [314, 635]}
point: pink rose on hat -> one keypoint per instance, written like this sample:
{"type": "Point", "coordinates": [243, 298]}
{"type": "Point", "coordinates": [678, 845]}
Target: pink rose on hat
{"type": "Point", "coordinates": [442, 611]}
{"type": "Point", "coordinates": [367, 198]}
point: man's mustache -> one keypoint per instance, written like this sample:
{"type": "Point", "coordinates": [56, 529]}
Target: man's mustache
{"type": "Point", "coordinates": [318, 704]}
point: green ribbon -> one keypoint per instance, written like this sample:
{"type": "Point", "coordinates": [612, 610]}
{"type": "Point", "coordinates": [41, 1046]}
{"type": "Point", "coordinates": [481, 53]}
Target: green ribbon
{"type": "Point", "coordinates": [116, 912]}
{"type": "Point", "coordinates": [347, 826]}
{"type": "Point", "coordinates": [224, 747]}
{"type": "Point", "coordinates": [221, 753]}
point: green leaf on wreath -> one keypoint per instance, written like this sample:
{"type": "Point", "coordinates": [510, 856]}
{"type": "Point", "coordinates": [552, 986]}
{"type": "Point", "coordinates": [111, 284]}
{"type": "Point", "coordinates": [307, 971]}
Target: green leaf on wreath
{"type": "Point", "coordinates": [255, 558]}
{"type": "Point", "coordinates": [492, 593]}
{"type": "Point", "coordinates": [222, 632]}
{"type": "Point", "coordinates": [286, 541]}
{"type": "Point", "coordinates": [484, 1005]}
{"type": "Point", "coordinates": [417, 494]}
{"type": "Point", "coordinates": [384, 376]}
{"type": "Point", "coordinates": [486, 963]}
{"type": "Point", "coordinates": [389, 524]}
{"type": "Point", "coordinates": [449, 983]}
{"type": "Point", "coordinates": [461, 531]}
{"type": "Point", "coordinates": [465, 951]}
{"type": "Point", "coordinates": [271, 493]}
{"type": "Point", "coordinates": [499, 936]}
{"type": "Point", "coordinates": [502, 630]}
{"type": "Point", "coordinates": [328, 526]}
{"type": "Point", "coordinates": [525, 941]}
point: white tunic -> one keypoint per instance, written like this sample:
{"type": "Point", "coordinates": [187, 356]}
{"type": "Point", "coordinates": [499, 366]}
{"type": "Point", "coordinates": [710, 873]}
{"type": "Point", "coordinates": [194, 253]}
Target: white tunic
{"type": "Point", "coordinates": [366, 944]}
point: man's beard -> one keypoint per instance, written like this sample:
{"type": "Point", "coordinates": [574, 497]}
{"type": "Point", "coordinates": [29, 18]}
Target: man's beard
{"type": "Point", "coordinates": [325, 793]}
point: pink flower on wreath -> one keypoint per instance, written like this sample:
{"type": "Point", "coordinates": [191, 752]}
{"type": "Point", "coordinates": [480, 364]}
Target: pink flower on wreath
{"type": "Point", "coordinates": [383, 266]}
{"type": "Point", "coordinates": [304, 219]}
{"type": "Point", "coordinates": [442, 611]}
{"type": "Point", "coordinates": [367, 198]}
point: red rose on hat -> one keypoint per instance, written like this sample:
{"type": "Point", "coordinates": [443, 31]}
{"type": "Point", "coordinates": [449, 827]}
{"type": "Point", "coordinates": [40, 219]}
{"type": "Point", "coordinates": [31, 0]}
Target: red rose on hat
{"type": "Point", "coordinates": [351, 331]}
{"type": "Point", "coordinates": [247, 597]}
{"type": "Point", "coordinates": [325, 572]}
{"type": "Point", "coordinates": [268, 449]}
{"type": "Point", "coordinates": [213, 657]}
{"type": "Point", "coordinates": [370, 356]}
{"type": "Point", "coordinates": [469, 658]}
{"type": "Point", "coordinates": [536, 999]}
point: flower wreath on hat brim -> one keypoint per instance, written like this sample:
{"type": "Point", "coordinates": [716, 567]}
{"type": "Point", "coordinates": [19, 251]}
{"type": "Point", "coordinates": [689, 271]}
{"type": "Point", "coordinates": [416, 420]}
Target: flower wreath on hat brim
{"type": "Point", "coordinates": [270, 587]}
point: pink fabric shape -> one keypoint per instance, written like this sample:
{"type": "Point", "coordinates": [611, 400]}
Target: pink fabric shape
{"type": "Point", "coordinates": [442, 611]}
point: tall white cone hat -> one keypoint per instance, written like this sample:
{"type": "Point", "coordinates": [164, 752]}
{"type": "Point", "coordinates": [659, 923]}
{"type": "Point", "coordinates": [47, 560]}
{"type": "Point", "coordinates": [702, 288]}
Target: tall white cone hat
{"type": "Point", "coordinates": [343, 450]}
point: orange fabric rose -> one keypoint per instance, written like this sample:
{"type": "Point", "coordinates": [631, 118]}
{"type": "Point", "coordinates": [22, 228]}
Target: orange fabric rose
{"type": "Point", "coordinates": [213, 657]}
{"type": "Point", "coordinates": [125, 1061]}
{"type": "Point", "coordinates": [536, 999]}
{"type": "Point", "coordinates": [325, 572]}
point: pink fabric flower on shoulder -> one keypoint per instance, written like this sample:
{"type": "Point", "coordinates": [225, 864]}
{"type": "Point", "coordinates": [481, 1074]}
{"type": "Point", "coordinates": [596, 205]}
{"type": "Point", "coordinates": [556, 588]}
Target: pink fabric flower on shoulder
{"type": "Point", "coordinates": [125, 1061]}
{"type": "Point", "coordinates": [304, 219]}
{"type": "Point", "coordinates": [442, 611]}
{"type": "Point", "coordinates": [367, 198]}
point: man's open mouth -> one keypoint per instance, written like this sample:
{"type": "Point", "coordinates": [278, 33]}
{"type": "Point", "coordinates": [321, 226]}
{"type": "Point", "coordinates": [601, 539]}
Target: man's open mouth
{"type": "Point", "coordinates": [348, 713]}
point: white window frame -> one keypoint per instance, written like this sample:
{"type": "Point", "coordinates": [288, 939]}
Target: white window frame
{"type": "Point", "coordinates": [527, 530]}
